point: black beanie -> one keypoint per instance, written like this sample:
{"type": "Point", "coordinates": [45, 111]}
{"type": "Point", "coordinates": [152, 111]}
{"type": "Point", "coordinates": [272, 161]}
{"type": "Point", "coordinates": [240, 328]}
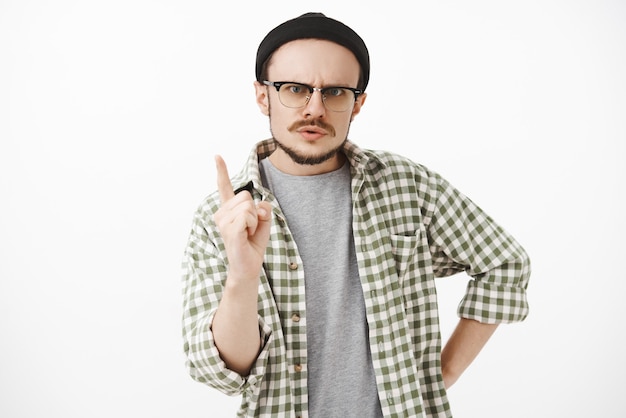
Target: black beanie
{"type": "Point", "coordinates": [317, 26]}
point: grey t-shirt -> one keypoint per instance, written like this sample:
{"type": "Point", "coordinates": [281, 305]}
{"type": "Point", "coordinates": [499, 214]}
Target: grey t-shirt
{"type": "Point", "coordinates": [318, 209]}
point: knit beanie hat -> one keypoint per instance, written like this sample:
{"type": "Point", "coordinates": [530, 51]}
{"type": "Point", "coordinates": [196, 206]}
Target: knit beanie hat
{"type": "Point", "coordinates": [317, 26]}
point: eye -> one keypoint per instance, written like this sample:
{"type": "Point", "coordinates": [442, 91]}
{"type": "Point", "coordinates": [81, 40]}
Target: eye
{"type": "Point", "coordinates": [295, 88]}
{"type": "Point", "coordinates": [334, 92]}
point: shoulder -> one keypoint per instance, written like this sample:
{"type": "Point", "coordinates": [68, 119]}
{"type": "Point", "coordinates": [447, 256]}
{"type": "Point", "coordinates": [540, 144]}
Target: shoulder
{"type": "Point", "coordinates": [399, 168]}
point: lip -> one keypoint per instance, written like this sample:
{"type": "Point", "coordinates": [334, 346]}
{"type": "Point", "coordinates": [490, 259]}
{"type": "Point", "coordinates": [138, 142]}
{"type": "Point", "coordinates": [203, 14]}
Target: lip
{"type": "Point", "coordinates": [311, 133]}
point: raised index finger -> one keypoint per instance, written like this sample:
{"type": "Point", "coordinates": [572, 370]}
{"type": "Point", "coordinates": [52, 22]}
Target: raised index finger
{"type": "Point", "coordinates": [224, 187]}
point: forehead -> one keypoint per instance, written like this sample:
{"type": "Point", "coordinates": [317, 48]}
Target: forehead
{"type": "Point", "coordinates": [314, 61]}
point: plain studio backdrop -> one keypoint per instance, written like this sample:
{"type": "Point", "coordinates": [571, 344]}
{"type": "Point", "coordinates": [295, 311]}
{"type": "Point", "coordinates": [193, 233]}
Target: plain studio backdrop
{"type": "Point", "coordinates": [111, 113]}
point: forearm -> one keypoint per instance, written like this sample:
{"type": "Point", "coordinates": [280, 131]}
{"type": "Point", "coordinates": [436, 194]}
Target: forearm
{"type": "Point", "coordinates": [236, 326]}
{"type": "Point", "coordinates": [467, 340]}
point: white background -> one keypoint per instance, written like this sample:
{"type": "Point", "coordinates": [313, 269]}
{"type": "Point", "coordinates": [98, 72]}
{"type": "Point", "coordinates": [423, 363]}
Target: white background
{"type": "Point", "coordinates": [111, 112]}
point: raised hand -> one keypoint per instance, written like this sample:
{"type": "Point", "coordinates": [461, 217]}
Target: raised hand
{"type": "Point", "coordinates": [244, 226]}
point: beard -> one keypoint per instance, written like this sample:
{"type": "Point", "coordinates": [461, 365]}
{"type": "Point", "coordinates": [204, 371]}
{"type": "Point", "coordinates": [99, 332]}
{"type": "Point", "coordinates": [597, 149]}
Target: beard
{"type": "Point", "coordinates": [308, 159]}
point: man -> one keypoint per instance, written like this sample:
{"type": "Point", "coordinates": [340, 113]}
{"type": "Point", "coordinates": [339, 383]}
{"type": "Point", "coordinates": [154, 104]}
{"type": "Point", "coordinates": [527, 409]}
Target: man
{"type": "Point", "coordinates": [309, 283]}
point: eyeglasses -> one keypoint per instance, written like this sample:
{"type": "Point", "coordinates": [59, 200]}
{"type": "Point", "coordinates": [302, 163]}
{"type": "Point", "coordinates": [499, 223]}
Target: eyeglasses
{"type": "Point", "coordinates": [295, 95]}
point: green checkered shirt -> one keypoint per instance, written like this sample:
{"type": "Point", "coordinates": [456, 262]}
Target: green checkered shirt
{"type": "Point", "coordinates": [410, 227]}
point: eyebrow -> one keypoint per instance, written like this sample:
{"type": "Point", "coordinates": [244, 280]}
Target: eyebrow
{"type": "Point", "coordinates": [323, 87]}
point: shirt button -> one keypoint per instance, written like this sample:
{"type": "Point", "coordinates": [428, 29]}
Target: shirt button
{"type": "Point", "coordinates": [297, 367]}
{"type": "Point", "coordinates": [293, 266]}
{"type": "Point", "coordinates": [295, 317]}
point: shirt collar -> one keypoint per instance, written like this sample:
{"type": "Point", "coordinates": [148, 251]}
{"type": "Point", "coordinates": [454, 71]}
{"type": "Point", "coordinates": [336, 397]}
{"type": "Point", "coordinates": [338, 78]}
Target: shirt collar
{"type": "Point", "coordinates": [360, 160]}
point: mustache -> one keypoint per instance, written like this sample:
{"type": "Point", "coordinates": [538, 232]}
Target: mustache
{"type": "Point", "coordinates": [313, 122]}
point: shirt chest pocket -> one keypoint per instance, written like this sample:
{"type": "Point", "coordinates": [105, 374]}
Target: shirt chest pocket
{"type": "Point", "coordinates": [404, 250]}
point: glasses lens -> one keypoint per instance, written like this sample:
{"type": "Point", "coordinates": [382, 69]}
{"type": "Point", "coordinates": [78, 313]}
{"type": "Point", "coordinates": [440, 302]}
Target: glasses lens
{"type": "Point", "coordinates": [293, 95]}
{"type": "Point", "coordinates": [338, 99]}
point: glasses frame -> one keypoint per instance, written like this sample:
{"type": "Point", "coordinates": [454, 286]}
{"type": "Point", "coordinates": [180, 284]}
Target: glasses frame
{"type": "Point", "coordinates": [322, 90]}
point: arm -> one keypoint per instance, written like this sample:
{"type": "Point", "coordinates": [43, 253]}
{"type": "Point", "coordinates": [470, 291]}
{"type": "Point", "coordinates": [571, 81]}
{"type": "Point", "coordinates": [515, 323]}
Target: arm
{"type": "Point", "coordinates": [464, 238]}
{"type": "Point", "coordinates": [245, 229]}
{"type": "Point", "coordinates": [468, 338]}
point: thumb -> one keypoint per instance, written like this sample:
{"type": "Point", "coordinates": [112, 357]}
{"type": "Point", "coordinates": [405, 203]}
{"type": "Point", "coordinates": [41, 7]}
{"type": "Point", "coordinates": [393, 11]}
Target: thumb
{"type": "Point", "coordinates": [261, 233]}
{"type": "Point", "coordinates": [264, 211]}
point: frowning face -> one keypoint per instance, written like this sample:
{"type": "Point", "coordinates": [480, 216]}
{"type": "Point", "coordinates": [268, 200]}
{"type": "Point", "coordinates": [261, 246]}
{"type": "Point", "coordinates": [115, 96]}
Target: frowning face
{"type": "Point", "coordinates": [309, 136]}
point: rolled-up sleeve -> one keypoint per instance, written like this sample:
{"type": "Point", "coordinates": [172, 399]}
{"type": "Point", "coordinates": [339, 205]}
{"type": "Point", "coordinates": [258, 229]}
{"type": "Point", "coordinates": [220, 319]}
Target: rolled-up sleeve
{"type": "Point", "coordinates": [464, 238]}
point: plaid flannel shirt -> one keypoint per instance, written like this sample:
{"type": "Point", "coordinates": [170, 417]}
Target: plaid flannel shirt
{"type": "Point", "coordinates": [410, 227]}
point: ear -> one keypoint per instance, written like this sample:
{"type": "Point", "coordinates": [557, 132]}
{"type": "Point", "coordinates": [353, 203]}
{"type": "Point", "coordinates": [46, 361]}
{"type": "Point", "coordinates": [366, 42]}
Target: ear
{"type": "Point", "coordinates": [262, 99]}
{"type": "Point", "coordinates": [357, 105]}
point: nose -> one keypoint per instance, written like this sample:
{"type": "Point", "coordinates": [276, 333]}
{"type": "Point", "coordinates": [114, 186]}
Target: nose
{"type": "Point", "coordinates": [315, 105]}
